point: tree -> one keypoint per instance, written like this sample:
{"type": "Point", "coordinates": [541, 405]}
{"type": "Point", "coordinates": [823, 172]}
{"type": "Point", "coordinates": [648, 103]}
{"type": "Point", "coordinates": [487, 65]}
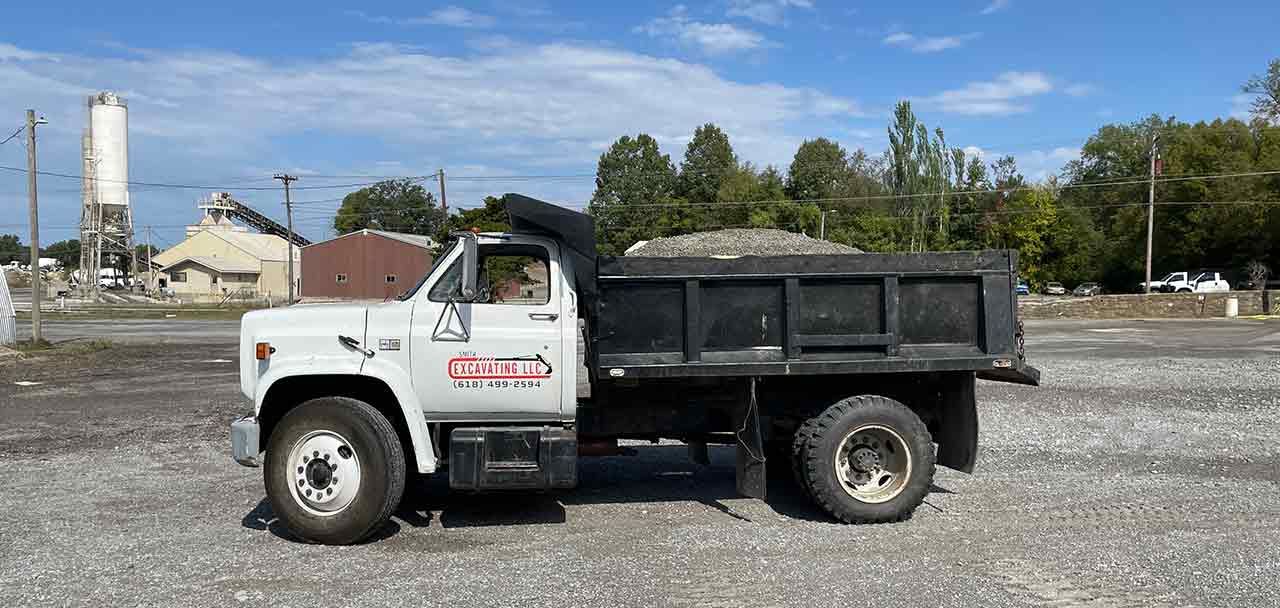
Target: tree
{"type": "Point", "coordinates": [818, 170]}
{"type": "Point", "coordinates": [1226, 231]}
{"type": "Point", "coordinates": [1024, 226]}
{"type": "Point", "coordinates": [633, 200]}
{"type": "Point", "coordinates": [66, 252]}
{"type": "Point", "coordinates": [491, 217]}
{"type": "Point", "coordinates": [394, 205]}
{"type": "Point", "coordinates": [11, 248]}
{"type": "Point", "coordinates": [921, 170]}
{"type": "Point", "coordinates": [708, 160]}
{"type": "Point", "coordinates": [1266, 104]}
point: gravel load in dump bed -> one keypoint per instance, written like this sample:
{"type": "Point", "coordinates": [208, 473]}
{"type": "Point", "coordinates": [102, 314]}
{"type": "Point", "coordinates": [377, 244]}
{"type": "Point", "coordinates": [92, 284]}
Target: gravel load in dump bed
{"type": "Point", "coordinates": [738, 242]}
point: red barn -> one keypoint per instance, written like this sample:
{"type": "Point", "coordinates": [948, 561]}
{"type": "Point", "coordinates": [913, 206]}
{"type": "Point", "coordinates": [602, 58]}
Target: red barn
{"type": "Point", "coordinates": [365, 265]}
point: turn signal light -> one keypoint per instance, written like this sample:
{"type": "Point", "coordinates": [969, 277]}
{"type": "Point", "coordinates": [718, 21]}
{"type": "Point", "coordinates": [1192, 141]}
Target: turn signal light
{"type": "Point", "coordinates": [264, 351]}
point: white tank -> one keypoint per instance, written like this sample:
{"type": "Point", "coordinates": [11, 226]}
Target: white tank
{"type": "Point", "coordinates": [109, 132]}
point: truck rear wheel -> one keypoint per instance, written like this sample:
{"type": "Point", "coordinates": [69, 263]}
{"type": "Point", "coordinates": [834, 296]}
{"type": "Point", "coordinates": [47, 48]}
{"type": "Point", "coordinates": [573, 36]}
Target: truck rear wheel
{"type": "Point", "coordinates": [334, 471]}
{"type": "Point", "coordinates": [867, 459]}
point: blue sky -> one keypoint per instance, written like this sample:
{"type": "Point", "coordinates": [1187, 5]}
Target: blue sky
{"type": "Point", "coordinates": [224, 94]}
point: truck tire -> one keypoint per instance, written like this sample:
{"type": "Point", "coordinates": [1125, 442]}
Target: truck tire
{"type": "Point", "coordinates": [867, 459]}
{"type": "Point", "coordinates": [334, 470]}
{"type": "Point", "coordinates": [799, 447]}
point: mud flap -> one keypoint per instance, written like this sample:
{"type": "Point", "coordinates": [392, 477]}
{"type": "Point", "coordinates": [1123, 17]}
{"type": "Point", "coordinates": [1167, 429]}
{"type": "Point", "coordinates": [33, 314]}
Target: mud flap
{"type": "Point", "coordinates": [957, 434]}
{"type": "Point", "coordinates": [750, 460]}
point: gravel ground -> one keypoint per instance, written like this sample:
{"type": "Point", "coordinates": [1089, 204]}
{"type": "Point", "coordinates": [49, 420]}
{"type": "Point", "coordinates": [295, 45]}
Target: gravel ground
{"type": "Point", "coordinates": [1143, 473]}
{"type": "Point", "coordinates": [738, 242]}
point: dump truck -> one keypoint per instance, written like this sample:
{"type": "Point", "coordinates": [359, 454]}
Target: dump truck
{"type": "Point", "coordinates": [857, 372]}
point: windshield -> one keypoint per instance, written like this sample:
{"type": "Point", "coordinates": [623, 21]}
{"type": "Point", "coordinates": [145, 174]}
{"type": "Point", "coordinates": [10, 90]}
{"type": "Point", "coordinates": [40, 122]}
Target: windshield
{"type": "Point", "coordinates": [1168, 277]}
{"type": "Point", "coordinates": [434, 263]}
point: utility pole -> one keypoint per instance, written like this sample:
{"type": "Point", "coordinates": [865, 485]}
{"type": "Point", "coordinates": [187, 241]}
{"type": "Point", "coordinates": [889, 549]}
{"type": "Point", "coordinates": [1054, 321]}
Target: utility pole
{"type": "Point", "coordinates": [822, 225]}
{"type": "Point", "coordinates": [36, 287]}
{"type": "Point", "coordinates": [444, 202]}
{"type": "Point", "coordinates": [150, 273]}
{"type": "Point", "coordinates": [1151, 209]}
{"type": "Point", "coordinates": [288, 209]}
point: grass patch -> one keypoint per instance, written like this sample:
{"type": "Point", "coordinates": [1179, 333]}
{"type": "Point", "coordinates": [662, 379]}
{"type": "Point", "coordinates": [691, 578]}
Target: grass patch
{"type": "Point", "coordinates": [31, 346]}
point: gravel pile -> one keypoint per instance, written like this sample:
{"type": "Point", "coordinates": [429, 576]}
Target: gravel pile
{"type": "Point", "coordinates": [738, 242]}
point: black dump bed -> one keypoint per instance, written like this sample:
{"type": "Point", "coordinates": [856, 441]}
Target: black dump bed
{"type": "Point", "coordinates": [797, 315]}
{"type": "Point", "coordinates": [822, 314]}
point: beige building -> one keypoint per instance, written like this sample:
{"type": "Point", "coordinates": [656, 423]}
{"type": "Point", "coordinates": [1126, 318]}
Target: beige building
{"type": "Point", "coordinates": [217, 264]}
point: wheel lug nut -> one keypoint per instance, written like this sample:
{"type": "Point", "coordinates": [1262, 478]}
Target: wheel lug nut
{"type": "Point", "coordinates": [300, 470]}
{"type": "Point", "coordinates": [329, 491]}
{"type": "Point", "coordinates": [315, 454]}
{"type": "Point", "coordinates": [326, 457]}
{"type": "Point", "coordinates": [300, 483]}
{"type": "Point", "coordinates": [308, 492]}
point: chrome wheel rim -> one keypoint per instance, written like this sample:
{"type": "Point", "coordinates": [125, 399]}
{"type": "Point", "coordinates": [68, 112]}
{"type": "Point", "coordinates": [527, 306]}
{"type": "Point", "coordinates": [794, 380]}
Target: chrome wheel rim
{"type": "Point", "coordinates": [324, 473]}
{"type": "Point", "coordinates": [873, 463]}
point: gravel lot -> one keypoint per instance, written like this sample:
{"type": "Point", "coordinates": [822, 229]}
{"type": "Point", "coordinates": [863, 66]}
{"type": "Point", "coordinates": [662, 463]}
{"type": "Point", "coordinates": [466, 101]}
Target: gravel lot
{"type": "Point", "coordinates": [1143, 473]}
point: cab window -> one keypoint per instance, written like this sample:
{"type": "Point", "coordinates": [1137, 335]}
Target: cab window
{"type": "Point", "coordinates": [513, 275]}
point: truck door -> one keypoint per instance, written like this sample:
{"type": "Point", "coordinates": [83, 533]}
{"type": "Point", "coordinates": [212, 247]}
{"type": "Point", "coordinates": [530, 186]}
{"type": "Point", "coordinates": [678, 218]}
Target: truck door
{"type": "Point", "coordinates": [498, 358]}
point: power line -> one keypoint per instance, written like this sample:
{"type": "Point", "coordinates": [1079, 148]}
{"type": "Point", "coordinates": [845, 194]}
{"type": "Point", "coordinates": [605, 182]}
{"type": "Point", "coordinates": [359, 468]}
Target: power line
{"type": "Point", "coordinates": [15, 134]}
{"type": "Point", "coordinates": [197, 187]}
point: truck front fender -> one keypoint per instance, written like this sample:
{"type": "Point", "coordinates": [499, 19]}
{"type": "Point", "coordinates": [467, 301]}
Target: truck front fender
{"type": "Point", "coordinates": [392, 377]}
{"type": "Point", "coordinates": [402, 387]}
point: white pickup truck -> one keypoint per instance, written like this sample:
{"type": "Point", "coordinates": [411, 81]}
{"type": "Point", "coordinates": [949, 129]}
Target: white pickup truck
{"type": "Point", "coordinates": [850, 368]}
{"type": "Point", "coordinates": [1198, 282]}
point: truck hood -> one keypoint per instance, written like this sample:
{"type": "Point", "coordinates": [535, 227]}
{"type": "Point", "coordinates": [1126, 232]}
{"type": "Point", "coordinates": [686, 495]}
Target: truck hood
{"type": "Point", "coordinates": [304, 340]}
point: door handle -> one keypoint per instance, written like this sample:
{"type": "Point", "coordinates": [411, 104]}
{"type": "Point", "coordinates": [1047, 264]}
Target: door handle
{"type": "Point", "coordinates": [543, 316]}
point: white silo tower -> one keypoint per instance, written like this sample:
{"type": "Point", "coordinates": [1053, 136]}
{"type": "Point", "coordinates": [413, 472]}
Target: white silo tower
{"type": "Point", "coordinates": [106, 225]}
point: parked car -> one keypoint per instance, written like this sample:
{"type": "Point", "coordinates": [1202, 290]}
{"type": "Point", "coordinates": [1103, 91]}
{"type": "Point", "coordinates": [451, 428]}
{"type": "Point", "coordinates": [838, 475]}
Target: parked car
{"type": "Point", "coordinates": [1210, 282]}
{"type": "Point", "coordinates": [1087, 289]}
{"type": "Point", "coordinates": [1022, 288]}
{"type": "Point", "coordinates": [1054, 288]}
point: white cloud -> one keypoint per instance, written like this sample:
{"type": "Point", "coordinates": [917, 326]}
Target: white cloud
{"type": "Point", "coordinates": [1242, 106]}
{"type": "Point", "coordinates": [975, 151]}
{"type": "Point", "coordinates": [770, 12]}
{"type": "Point", "coordinates": [8, 52]}
{"type": "Point", "coordinates": [1080, 89]}
{"type": "Point", "coordinates": [928, 44]}
{"type": "Point", "coordinates": [1004, 95]}
{"type": "Point", "coordinates": [509, 106]}
{"type": "Point", "coordinates": [996, 5]}
{"type": "Point", "coordinates": [711, 38]}
{"type": "Point", "coordinates": [449, 16]}
{"type": "Point", "coordinates": [1040, 164]}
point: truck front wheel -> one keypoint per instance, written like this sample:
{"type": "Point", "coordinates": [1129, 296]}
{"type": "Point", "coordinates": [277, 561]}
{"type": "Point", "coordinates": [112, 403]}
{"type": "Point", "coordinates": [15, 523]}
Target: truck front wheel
{"type": "Point", "coordinates": [867, 459]}
{"type": "Point", "coordinates": [334, 470]}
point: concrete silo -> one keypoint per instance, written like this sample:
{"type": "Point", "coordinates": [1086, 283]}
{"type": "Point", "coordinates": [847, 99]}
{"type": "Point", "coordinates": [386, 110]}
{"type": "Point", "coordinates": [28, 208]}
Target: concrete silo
{"type": "Point", "coordinates": [106, 225]}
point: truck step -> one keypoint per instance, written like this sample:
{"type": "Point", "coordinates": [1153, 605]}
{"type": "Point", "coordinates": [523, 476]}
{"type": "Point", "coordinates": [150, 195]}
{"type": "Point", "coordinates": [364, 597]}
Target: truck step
{"type": "Point", "coordinates": [513, 458]}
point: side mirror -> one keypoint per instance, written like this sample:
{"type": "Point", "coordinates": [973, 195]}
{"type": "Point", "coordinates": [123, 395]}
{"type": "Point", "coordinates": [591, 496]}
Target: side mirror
{"type": "Point", "coordinates": [470, 266]}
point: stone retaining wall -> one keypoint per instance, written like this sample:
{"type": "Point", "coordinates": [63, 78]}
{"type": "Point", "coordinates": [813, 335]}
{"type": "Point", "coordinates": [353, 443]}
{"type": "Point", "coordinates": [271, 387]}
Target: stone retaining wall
{"type": "Point", "coordinates": [1142, 306]}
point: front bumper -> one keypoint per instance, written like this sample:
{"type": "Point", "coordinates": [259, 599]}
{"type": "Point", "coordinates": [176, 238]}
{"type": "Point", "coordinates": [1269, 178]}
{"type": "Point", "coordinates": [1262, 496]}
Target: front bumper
{"type": "Point", "coordinates": [244, 441]}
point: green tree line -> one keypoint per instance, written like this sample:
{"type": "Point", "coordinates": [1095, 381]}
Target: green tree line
{"type": "Point", "coordinates": [1087, 223]}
